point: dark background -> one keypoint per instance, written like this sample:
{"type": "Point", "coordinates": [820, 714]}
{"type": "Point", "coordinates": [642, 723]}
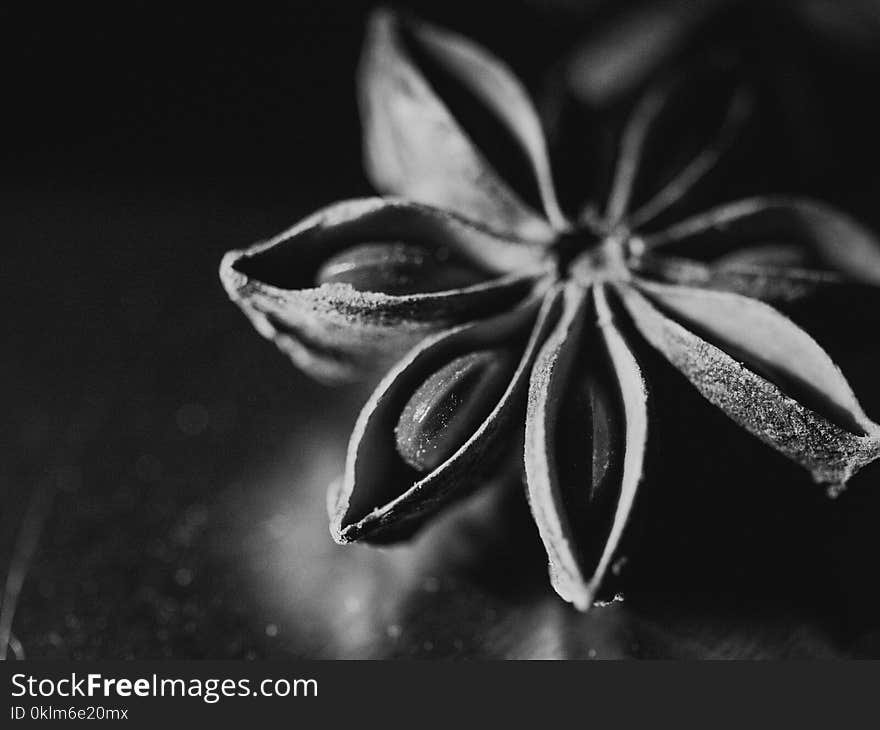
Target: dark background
{"type": "Point", "coordinates": [177, 463]}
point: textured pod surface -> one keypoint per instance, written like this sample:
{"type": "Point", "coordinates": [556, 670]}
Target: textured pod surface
{"type": "Point", "coordinates": [414, 145]}
{"type": "Point", "coordinates": [336, 332]}
{"type": "Point", "coordinates": [598, 418]}
{"type": "Point", "coordinates": [380, 497]}
{"type": "Point", "coordinates": [767, 339]}
{"type": "Point", "coordinates": [831, 453]}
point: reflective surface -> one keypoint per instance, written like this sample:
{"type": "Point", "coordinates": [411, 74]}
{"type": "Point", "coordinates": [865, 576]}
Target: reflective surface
{"type": "Point", "coordinates": [180, 463]}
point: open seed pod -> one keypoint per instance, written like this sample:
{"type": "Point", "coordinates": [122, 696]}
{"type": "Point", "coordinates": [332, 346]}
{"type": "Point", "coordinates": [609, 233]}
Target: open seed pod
{"type": "Point", "coordinates": [586, 434]}
{"type": "Point", "coordinates": [776, 249]}
{"type": "Point", "coordinates": [352, 287]}
{"type": "Point", "coordinates": [756, 273]}
{"type": "Point", "coordinates": [438, 423]}
{"type": "Point", "coordinates": [814, 229]}
{"type": "Point", "coordinates": [415, 141]}
{"type": "Point", "coordinates": [653, 179]}
{"type": "Point", "coordinates": [762, 371]}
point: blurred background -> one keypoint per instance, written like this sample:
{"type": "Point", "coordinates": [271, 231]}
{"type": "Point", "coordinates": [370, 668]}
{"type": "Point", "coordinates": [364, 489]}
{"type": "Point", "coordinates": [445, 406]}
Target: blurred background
{"type": "Point", "coordinates": [164, 468]}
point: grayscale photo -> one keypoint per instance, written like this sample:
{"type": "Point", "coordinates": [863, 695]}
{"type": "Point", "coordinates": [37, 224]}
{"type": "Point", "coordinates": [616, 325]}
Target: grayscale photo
{"type": "Point", "coordinates": [537, 330]}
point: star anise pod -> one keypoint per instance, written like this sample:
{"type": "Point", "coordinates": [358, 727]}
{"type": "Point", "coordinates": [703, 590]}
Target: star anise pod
{"type": "Point", "coordinates": [514, 320]}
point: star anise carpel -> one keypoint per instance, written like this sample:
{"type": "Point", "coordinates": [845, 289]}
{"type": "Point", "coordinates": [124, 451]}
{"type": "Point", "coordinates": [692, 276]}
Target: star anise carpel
{"type": "Point", "coordinates": [509, 326]}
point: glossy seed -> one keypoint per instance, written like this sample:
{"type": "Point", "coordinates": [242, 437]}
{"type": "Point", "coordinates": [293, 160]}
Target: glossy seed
{"type": "Point", "coordinates": [588, 434]}
{"type": "Point", "coordinates": [397, 269]}
{"type": "Point", "coordinates": [605, 424]}
{"type": "Point", "coordinates": [450, 405]}
{"type": "Point", "coordinates": [769, 255]}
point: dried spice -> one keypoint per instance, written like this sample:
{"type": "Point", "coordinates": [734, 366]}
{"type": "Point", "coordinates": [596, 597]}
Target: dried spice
{"type": "Point", "coordinates": [509, 325]}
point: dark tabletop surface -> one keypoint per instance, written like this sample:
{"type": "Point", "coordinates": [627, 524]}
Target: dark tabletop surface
{"type": "Point", "coordinates": [169, 466]}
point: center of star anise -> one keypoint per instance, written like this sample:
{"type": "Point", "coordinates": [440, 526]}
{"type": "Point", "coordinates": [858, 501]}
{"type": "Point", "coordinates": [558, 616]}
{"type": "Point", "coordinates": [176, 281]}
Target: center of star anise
{"type": "Point", "coordinates": [588, 255]}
